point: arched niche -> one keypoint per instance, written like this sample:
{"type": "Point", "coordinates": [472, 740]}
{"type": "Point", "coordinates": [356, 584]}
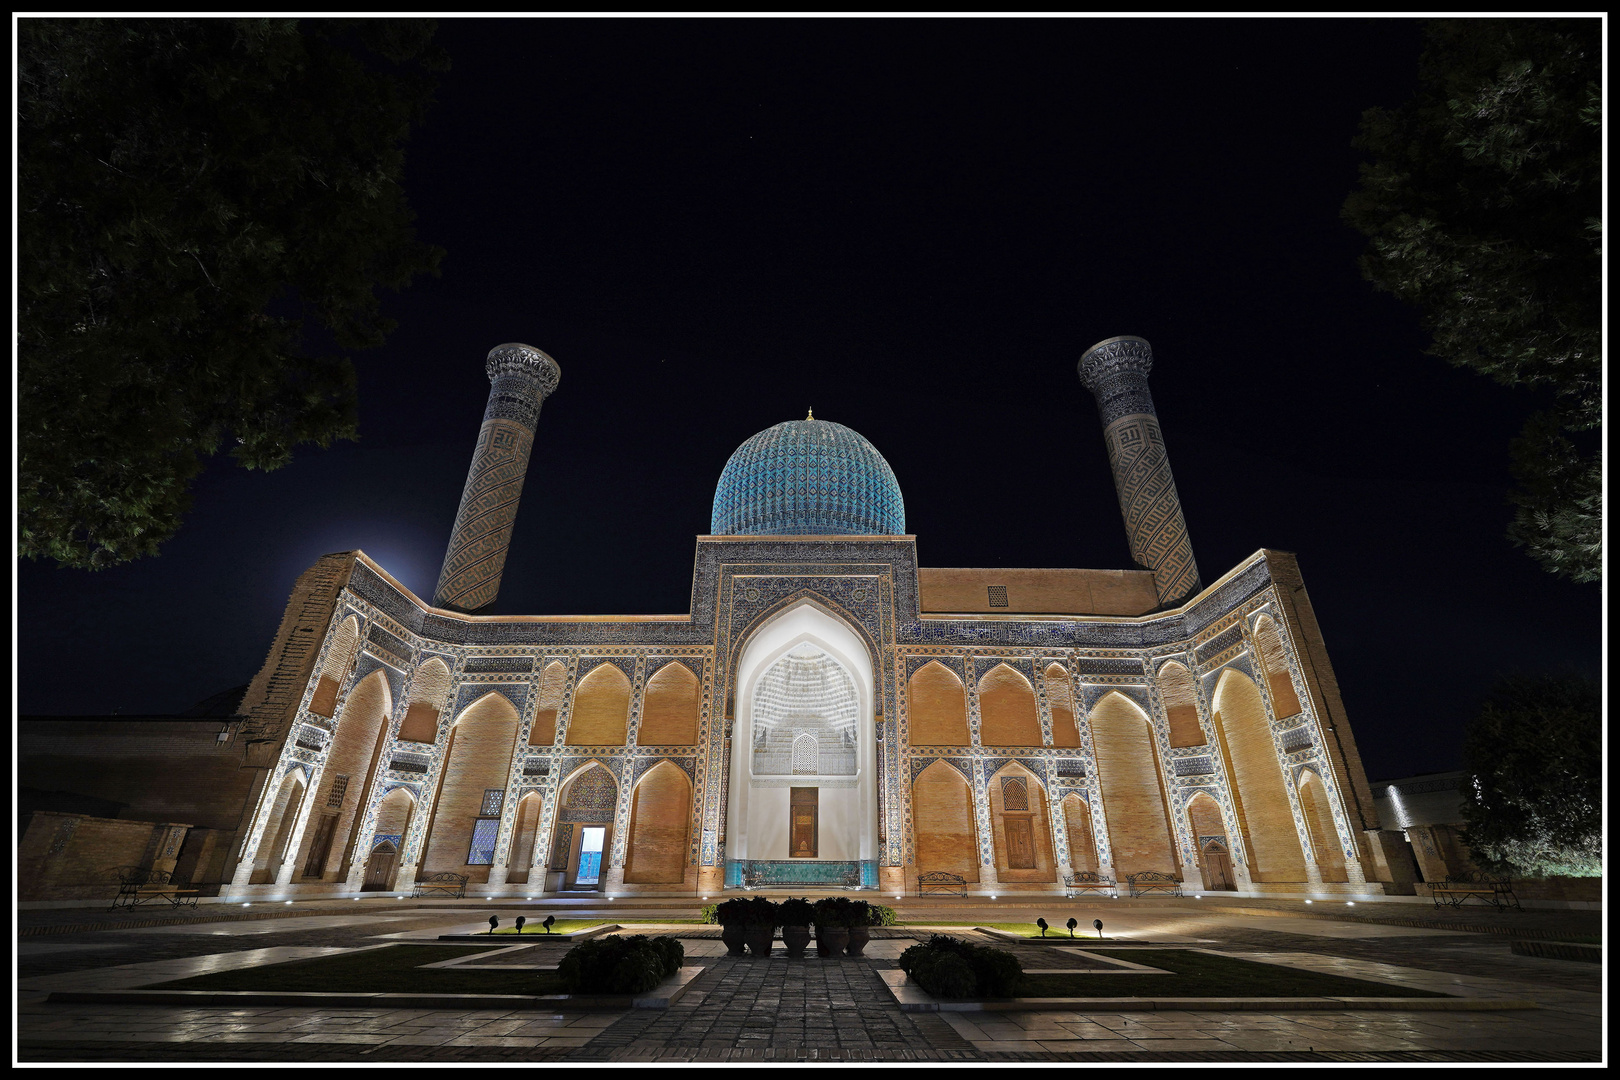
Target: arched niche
{"type": "Point", "coordinates": [345, 783]}
{"type": "Point", "coordinates": [543, 732]}
{"type": "Point", "coordinates": [1180, 696]}
{"type": "Point", "coordinates": [936, 707]}
{"type": "Point", "coordinates": [472, 788]}
{"type": "Point", "coordinates": [1208, 829]}
{"type": "Point", "coordinates": [1082, 839]}
{"type": "Point", "coordinates": [1022, 831]}
{"type": "Point", "coordinates": [1284, 701]}
{"type": "Point", "coordinates": [1255, 776]}
{"type": "Point", "coordinates": [525, 825]}
{"type": "Point", "coordinates": [601, 712]}
{"type": "Point", "coordinates": [289, 798]}
{"type": "Point", "coordinates": [586, 800]}
{"type": "Point", "coordinates": [942, 822]}
{"type": "Point", "coordinates": [1132, 792]}
{"type": "Point", "coordinates": [339, 656]}
{"type": "Point", "coordinates": [669, 711]}
{"type": "Point", "coordinates": [1060, 699]}
{"type": "Point", "coordinates": [394, 813]}
{"type": "Point", "coordinates": [660, 819]}
{"type": "Point", "coordinates": [758, 808]}
{"type": "Point", "coordinates": [1313, 802]}
{"type": "Point", "coordinates": [1007, 714]}
{"type": "Point", "coordinates": [429, 690]}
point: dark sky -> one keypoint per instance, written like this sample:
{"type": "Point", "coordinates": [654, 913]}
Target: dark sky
{"type": "Point", "coordinates": [916, 227]}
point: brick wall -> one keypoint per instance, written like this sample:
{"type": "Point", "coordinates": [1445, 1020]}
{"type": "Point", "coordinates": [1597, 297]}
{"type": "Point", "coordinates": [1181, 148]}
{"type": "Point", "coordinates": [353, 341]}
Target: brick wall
{"type": "Point", "coordinates": [479, 759]}
{"type": "Point", "coordinates": [669, 713]}
{"type": "Point", "coordinates": [1082, 842]}
{"type": "Point", "coordinates": [1007, 715]}
{"type": "Point", "coordinates": [662, 807]}
{"type": "Point", "coordinates": [1319, 821]}
{"type": "Point", "coordinates": [936, 706]}
{"type": "Point", "coordinates": [1268, 823]}
{"type": "Point", "coordinates": [543, 732]}
{"type": "Point", "coordinates": [1133, 802]}
{"type": "Point", "coordinates": [601, 709]}
{"type": "Point", "coordinates": [942, 812]}
{"type": "Point", "coordinates": [72, 856]}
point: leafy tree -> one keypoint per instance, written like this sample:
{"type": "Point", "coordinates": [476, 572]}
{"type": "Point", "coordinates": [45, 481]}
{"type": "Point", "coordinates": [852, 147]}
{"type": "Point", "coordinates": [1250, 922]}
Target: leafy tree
{"type": "Point", "coordinates": [187, 189]}
{"type": "Point", "coordinates": [1482, 206]}
{"type": "Point", "coordinates": [1535, 756]}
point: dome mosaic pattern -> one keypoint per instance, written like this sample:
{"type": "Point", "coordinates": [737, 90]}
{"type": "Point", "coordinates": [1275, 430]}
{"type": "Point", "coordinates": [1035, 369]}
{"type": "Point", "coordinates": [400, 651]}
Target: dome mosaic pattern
{"type": "Point", "coordinates": [807, 478]}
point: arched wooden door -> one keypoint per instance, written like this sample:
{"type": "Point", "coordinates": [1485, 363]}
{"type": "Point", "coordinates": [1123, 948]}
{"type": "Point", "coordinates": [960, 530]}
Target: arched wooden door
{"type": "Point", "coordinates": [380, 868]}
{"type": "Point", "coordinates": [1218, 868]}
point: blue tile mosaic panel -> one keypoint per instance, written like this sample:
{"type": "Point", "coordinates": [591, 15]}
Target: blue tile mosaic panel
{"type": "Point", "coordinates": [755, 873]}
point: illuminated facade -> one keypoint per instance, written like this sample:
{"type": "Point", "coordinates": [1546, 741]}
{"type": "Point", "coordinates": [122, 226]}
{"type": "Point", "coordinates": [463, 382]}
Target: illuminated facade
{"type": "Point", "coordinates": [828, 712]}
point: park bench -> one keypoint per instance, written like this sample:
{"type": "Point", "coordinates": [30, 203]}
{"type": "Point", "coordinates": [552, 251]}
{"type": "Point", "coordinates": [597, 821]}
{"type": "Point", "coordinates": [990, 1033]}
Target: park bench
{"type": "Point", "coordinates": [940, 881]}
{"type": "Point", "coordinates": [446, 884]}
{"type": "Point", "coordinates": [139, 885]}
{"type": "Point", "coordinates": [1087, 881]}
{"type": "Point", "coordinates": [1151, 881]}
{"type": "Point", "coordinates": [1459, 888]}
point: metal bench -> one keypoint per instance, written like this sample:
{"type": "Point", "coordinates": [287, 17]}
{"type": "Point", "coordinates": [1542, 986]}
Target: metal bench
{"type": "Point", "coordinates": [1088, 881]}
{"type": "Point", "coordinates": [1151, 881]}
{"type": "Point", "coordinates": [445, 884]}
{"type": "Point", "coordinates": [139, 885]}
{"type": "Point", "coordinates": [1459, 888]}
{"type": "Point", "coordinates": [940, 881]}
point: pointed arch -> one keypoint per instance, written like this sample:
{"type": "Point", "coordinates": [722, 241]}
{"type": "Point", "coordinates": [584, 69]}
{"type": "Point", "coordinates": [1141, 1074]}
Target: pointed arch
{"type": "Point", "coordinates": [543, 732]}
{"type": "Point", "coordinates": [1207, 827]}
{"type": "Point", "coordinates": [345, 784]}
{"type": "Point", "coordinates": [1180, 696]}
{"type": "Point", "coordinates": [525, 824]}
{"type": "Point", "coordinates": [942, 822]}
{"type": "Point", "coordinates": [1259, 793]}
{"type": "Point", "coordinates": [394, 813]}
{"type": "Point", "coordinates": [1060, 699]}
{"type": "Point", "coordinates": [660, 818]}
{"type": "Point", "coordinates": [479, 760]}
{"type": "Point", "coordinates": [1284, 701]}
{"type": "Point", "coordinates": [601, 711]}
{"type": "Point", "coordinates": [587, 797]}
{"type": "Point", "coordinates": [429, 691]}
{"type": "Point", "coordinates": [1007, 714]}
{"type": "Point", "coordinates": [1020, 826]}
{"type": "Point", "coordinates": [278, 828]}
{"type": "Point", "coordinates": [1313, 801]}
{"type": "Point", "coordinates": [936, 704]}
{"type": "Point", "coordinates": [1082, 840]}
{"type": "Point", "coordinates": [1132, 791]}
{"type": "Point", "coordinates": [669, 712]}
{"type": "Point", "coordinates": [339, 657]}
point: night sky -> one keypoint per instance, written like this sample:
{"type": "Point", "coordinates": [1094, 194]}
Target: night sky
{"type": "Point", "coordinates": [916, 227]}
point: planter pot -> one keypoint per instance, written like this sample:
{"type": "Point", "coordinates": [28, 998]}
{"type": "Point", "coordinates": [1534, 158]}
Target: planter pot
{"type": "Point", "coordinates": [831, 940]}
{"type": "Point", "coordinates": [796, 938]}
{"type": "Point", "coordinates": [759, 939]}
{"type": "Point", "coordinates": [858, 937]}
{"type": "Point", "coordinates": [732, 935]}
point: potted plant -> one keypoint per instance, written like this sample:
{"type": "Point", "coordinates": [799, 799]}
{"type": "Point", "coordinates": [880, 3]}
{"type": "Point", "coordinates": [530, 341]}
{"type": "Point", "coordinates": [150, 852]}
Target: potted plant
{"type": "Point", "coordinates": [860, 916]}
{"type": "Point", "coordinates": [760, 923]}
{"type": "Point", "coordinates": [732, 915]}
{"type": "Point", "coordinates": [832, 926]}
{"type": "Point", "coordinates": [796, 914]}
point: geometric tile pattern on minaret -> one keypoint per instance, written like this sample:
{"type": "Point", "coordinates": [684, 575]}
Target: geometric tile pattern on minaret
{"type": "Point", "coordinates": [1116, 372]}
{"type": "Point", "coordinates": [521, 377]}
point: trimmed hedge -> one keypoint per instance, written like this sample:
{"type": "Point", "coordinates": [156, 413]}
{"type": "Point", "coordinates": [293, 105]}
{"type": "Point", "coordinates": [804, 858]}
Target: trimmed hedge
{"type": "Point", "coordinates": [949, 967]}
{"type": "Point", "coordinates": [620, 965]}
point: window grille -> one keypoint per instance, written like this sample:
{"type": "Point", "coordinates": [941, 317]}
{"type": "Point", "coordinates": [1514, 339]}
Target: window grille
{"type": "Point", "coordinates": [340, 785]}
{"type": "Point", "coordinates": [1014, 793]}
{"type": "Point", "coordinates": [804, 754]}
{"type": "Point", "coordinates": [492, 803]}
{"type": "Point", "coordinates": [482, 850]}
{"type": "Point", "coordinates": [998, 595]}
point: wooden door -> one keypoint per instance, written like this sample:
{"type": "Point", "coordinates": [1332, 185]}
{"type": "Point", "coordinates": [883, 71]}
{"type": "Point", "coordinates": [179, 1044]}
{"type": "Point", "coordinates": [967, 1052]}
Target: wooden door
{"type": "Point", "coordinates": [380, 868]}
{"type": "Point", "coordinates": [1218, 869]}
{"type": "Point", "coordinates": [1020, 843]}
{"type": "Point", "coordinates": [803, 812]}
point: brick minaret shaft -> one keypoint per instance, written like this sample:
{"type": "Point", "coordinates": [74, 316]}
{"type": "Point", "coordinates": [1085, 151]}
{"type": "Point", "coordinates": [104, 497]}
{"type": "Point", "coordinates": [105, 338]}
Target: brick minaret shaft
{"type": "Point", "coordinates": [521, 377]}
{"type": "Point", "coordinates": [1116, 372]}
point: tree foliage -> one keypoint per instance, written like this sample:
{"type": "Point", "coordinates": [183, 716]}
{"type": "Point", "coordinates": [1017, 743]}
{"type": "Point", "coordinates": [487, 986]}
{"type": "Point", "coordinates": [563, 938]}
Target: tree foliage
{"type": "Point", "coordinates": [188, 189]}
{"type": "Point", "coordinates": [1482, 206]}
{"type": "Point", "coordinates": [1535, 756]}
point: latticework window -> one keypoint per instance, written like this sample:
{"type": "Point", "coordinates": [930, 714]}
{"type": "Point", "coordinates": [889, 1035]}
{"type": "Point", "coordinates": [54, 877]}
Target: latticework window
{"type": "Point", "coordinates": [492, 803]}
{"type": "Point", "coordinates": [340, 785]}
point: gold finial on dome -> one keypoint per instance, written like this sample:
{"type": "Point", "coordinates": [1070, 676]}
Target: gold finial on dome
{"type": "Point", "coordinates": [811, 413]}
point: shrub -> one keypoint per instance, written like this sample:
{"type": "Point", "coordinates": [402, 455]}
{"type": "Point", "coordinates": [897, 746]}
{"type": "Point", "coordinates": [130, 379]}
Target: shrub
{"type": "Point", "coordinates": [711, 913]}
{"type": "Point", "coordinates": [797, 911]}
{"type": "Point", "coordinates": [620, 965]}
{"type": "Point", "coordinates": [878, 915]}
{"type": "Point", "coordinates": [733, 912]}
{"type": "Point", "coordinates": [762, 914]}
{"type": "Point", "coordinates": [951, 968]}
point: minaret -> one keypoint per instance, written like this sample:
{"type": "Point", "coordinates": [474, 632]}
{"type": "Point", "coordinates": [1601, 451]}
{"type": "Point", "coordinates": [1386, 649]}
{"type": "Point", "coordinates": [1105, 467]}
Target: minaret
{"type": "Point", "coordinates": [1116, 372]}
{"type": "Point", "coordinates": [521, 377]}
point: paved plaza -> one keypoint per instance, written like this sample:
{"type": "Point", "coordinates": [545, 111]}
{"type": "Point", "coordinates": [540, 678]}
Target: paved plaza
{"type": "Point", "coordinates": [776, 1009]}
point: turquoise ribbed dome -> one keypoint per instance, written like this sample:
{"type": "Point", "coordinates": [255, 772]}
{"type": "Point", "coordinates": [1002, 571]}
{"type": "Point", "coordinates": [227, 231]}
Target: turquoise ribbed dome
{"type": "Point", "coordinates": [807, 478]}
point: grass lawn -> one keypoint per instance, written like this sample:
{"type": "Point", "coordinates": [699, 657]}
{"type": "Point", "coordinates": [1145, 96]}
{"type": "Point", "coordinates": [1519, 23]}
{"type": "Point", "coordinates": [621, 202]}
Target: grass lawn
{"type": "Point", "coordinates": [1057, 930]}
{"type": "Point", "coordinates": [1202, 975]}
{"type": "Point", "coordinates": [532, 927]}
{"type": "Point", "coordinates": [396, 969]}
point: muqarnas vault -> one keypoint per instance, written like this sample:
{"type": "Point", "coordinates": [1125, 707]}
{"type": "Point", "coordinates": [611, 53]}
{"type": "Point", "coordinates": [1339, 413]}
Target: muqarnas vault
{"type": "Point", "coordinates": [828, 714]}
